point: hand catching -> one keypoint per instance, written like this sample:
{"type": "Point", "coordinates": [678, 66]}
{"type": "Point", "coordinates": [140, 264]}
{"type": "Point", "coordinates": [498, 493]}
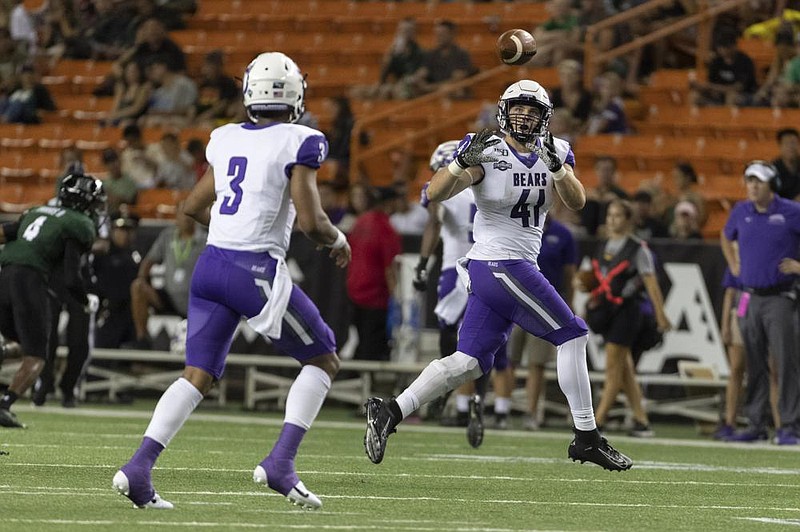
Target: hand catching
{"type": "Point", "coordinates": [472, 154]}
{"type": "Point", "coordinates": [547, 153]}
{"type": "Point", "coordinates": [341, 255]}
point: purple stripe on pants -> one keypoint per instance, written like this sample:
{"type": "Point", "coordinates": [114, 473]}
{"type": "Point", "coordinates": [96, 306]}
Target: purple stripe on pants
{"type": "Point", "coordinates": [224, 289]}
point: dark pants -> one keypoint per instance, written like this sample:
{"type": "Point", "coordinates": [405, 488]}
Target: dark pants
{"type": "Point", "coordinates": [115, 326]}
{"type": "Point", "coordinates": [373, 341]}
{"type": "Point", "coordinates": [77, 343]}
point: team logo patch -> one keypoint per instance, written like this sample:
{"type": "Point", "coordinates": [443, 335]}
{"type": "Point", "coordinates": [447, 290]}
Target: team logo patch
{"type": "Point", "coordinates": [502, 166]}
{"type": "Point", "coordinates": [776, 219]}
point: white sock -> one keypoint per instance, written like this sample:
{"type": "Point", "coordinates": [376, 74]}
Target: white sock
{"type": "Point", "coordinates": [306, 396]}
{"type": "Point", "coordinates": [502, 405]}
{"type": "Point", "coordinates": [462, 403]}
{"type": "Point", "coordinates": [438, 378]}
{"type": "Point", "coordinates": [172, 411]}
{"type": "Point", "coordinates": [573, 378]}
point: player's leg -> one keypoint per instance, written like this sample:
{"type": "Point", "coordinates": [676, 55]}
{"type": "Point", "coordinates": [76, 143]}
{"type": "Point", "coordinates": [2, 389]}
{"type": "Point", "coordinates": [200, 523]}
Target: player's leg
{"type": "Point", "coordinates": [45, 384]}
{"type": "Point", "coordinates": [25, 319]}
{"type": "Point", "coordinates": [210, 331]}
{"type": "Point", "coordinates": [78, 343]}
{"type": "Point", "coordinates": [448, 340]}
{"type": "Point", "coordinates": [518, 287]}
{"type": "Point", "coordinates": [482, 332]}
{"type": "Point", "coordinates": [307, 338]}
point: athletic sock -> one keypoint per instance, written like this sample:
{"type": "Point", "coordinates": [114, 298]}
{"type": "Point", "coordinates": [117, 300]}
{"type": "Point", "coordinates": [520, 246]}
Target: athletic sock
{"type": "Point", "coordinates": [306, 395]}
{"type": "Point", "coordinates": [573, 378]}
{"type": "Point", "coordinates": [172, 411]}
{"type": "Point", "coordinates": [8, 399]}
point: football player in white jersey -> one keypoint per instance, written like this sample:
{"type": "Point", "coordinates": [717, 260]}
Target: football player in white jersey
{"type": "Point", "coordinates": [262, 175]}
{"type": "Point", "coordinates": [514, 179]}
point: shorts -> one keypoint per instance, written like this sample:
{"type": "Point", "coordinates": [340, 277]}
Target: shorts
{"type": "Point", "coordinates": [24, 313]}
{"type": "Point", "coordinates": [224, 289]}
{"type": "Point", "coordinates": [512, 291]}
{"type": "Point", "coordinates": [626, 324]}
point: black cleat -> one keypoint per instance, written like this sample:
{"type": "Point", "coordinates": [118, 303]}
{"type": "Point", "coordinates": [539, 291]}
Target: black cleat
{"type": "Point", "coordinates": [600, 453]}
{"type": "Point", "coordinates": [9, 420]}
{"type": "Point", "coordinates": [475, 426]}
{"type": "Point", "coordinates": [380, 423]}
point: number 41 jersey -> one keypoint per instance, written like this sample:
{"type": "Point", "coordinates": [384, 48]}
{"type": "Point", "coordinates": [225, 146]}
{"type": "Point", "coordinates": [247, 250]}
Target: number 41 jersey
{"type": "Point", "coordinates": [252, 170]}
{"type": "Point", "coordinates": [513, 199]}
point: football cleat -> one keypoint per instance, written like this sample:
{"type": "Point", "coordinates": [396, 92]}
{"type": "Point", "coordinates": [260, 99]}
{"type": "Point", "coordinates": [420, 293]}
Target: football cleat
{"type": "Point", "coordinates": [600, 453]}
{"type": "Point", "coordinates": [298, 495]}
{"type": "Point", "coordinates": [380, 424]}
{"type": "Point", "coordinates": [475, 426]}
{"type": "Point", "coordinates": [9, 420]}
{"type": "Point", "coordinates": [749, 435]}
{"type": "Point", "coordinates": [146, 498]}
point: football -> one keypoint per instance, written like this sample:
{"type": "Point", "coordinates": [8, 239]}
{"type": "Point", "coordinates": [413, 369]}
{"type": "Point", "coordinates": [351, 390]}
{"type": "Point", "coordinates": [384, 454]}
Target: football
{"type": "Point", "coordinates": [516, 47]}
{"type": "Point", "coordinates": [587, 279]}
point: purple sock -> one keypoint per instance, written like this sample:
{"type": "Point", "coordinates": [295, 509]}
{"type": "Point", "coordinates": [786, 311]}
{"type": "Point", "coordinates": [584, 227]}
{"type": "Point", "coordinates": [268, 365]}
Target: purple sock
{"type": "Point", "coordinates": [147, 454]}
{"type": "Point", "coordinates": [288, 442]}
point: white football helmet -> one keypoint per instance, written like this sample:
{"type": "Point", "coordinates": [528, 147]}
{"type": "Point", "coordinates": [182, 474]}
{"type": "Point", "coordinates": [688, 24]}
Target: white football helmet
{"type": "Point", "coordinates": [443, 154]}
{"type": "Point", "coordinates": [520, 127]}
{"type": "Point", "coordinates": [273, 82]}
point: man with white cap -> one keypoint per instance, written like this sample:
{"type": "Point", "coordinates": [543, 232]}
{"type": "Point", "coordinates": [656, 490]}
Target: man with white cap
{"type": "Point", "coordinates": [760, 243]}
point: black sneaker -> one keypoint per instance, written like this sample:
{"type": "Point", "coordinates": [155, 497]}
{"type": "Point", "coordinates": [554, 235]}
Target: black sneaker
{"type": "Point", "coordinates": [640, 430]}
{"type": "Point", "coordinates": [40, 391]}
{"type": "Point", "coordinates": [380, 423]}
{"type": "Point", "coordinates": [475, 425]}
{"type": "Point", "coordinates": [600, 453]}
{"type": "Point", "coordinates": [9, 419]}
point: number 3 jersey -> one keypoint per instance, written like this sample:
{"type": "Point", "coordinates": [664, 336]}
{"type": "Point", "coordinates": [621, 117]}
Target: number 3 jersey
{"type": "Point", "coordinates": [513, 199]}
{"type": "Point", "coordinates": [252, 171]}
{"type": "Point", "coordinates": [42, 235]}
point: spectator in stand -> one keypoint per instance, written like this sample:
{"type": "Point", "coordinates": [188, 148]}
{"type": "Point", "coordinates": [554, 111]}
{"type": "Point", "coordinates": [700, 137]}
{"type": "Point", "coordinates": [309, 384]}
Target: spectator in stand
{"type": "Point", "coordinates": [177, 248]}
{"type": "Point", "coordinates": [119, 187]}
{"type": "Point", "coordinates": [788, 163]}
{"type": "Point", "coordinates": [339, 137]}
{"type": "Point", "coordinates": [22, 27]}
{"type": "Point", "coordinates": [593, 214]}
{"type": "Point", "coordinates": [564, 125]}
{"type": "Point", "coordinates": [218, 94]}
{"type": "Point", "coordinates": [645, 225]}
{"type": "Point", "coordinates": [684, 224]}
{"type": "Point", "coordinates": [408, 217]}
{"type": "Point", "coordinates": [402, 60]}
{"type": "Point", "coordinates": [115, 271]}
{"type": "Point", "coordinates": [197, 151]}
{"type": "Point", "coordinates": [107, 36]}
{"type": "Point", "coordinates": [731, 76]}
{"type": "Point", "coordinates": [571, 94]}
{"type": "Point", "coordinates": [446, 62]}
{"type": "Point", "coordinates": [608, 107]}
{"type": "Point", "coordinates": [26, 99]}
{"type": "Point", "coordinates": [135, 162]}
{"type": "Point", "coordinates": [58, 32]}
{"type": "Point", "coordinates": [131, 96]}
{"type": "Point", "coordinates": [372, 275]}
{"type": "Point", "coordinates": [559, 37]}
{"type": "Point", "coordinates": [173, 99]}
{"type": "Point", "coordinates": [784, 52]}
{"type": "Point", "coordinates": [329, 200]}
{"type": "Point", "coordinates": [12, 57]}
{"type": "Point", "coordinates": [173, 165]}
{"type": "Point", "coordinates": [685, 179]}
{"type": "Point", "coordinates": [149, 9]}
{"type": "Point", "coordinates": [791, 72]}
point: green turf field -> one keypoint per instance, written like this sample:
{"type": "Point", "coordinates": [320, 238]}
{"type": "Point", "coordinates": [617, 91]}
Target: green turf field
{"type": "Point", "coordinates": [56, 475]}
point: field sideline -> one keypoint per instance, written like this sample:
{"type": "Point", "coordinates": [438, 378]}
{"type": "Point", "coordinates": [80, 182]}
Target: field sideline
{"type": "Point", "coordinates": [57, 476]}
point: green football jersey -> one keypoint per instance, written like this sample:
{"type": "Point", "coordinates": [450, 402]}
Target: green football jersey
{"type": "Point", "coordinates": [42, 236]}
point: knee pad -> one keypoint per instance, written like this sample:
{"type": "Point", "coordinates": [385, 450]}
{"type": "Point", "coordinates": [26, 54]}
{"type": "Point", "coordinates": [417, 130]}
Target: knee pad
{"type": "Point", "coordinates": [458, 368]}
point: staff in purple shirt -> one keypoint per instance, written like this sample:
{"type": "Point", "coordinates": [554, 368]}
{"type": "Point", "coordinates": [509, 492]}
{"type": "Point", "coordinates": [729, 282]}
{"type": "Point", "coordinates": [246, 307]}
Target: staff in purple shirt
{"type": "Point", "coordinates": [766, 228]}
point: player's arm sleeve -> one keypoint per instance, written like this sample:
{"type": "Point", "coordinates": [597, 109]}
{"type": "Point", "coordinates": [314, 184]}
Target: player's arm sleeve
{"type": "Point", "coordinates": [73, 281]}
{"type": "Point", "coordinates": [312, 153]}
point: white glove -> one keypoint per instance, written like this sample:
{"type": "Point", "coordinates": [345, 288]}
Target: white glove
{"type": "Point", "coordinates": [92, 304]}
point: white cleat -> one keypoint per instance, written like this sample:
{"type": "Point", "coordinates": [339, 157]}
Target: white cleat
{"type": "Point", "coordinates": [122, 485]}
{"type": "Point", "coordinates": [299, 494]}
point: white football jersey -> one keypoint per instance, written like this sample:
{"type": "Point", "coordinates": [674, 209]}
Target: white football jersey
{"type": "Point", "coordinates": [252, 168]}
{"type": "Point", "coordinates": [457, 214]}
{"type": "Point", "coordinates": [513, 199]}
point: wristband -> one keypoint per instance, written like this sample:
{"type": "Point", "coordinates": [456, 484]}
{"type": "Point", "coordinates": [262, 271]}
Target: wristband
{"type": "Point", "coordinates": [340, 242]}
{"type": "Point", "coordinates": [455, 168]}
{"type": "Point", "coordinates": [559, 174]}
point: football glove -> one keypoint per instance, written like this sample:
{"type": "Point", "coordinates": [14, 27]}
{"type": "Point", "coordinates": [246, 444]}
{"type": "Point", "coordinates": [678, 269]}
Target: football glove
{"type": "Point", "coordinates": [547, 153]}
{"type": "Point", "coordinates": [92, 304]}
{"type": "Point", "coordinates": [420, 281]}
{"type": "Point", "coordinates": [472, 154]}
